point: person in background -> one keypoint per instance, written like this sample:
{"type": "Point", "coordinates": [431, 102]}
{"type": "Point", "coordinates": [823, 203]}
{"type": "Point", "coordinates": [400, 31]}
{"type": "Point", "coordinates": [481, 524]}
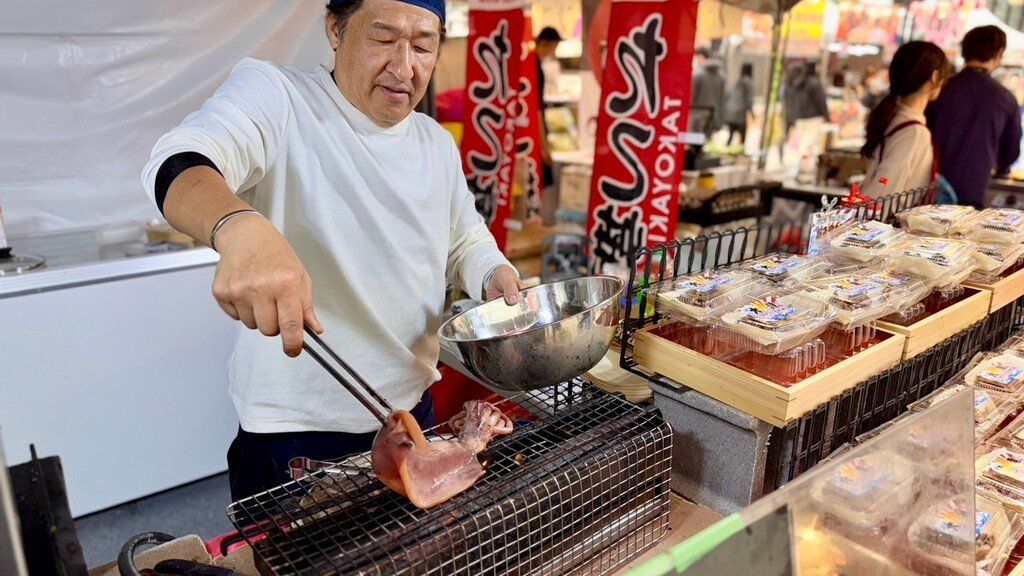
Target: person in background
{"type": "Point", "coordinates": [707, 93]}
{"type": "Point", "coordinates": [874, 87]}
{"type": "Point", "coordinates": [898, 141]}
{"type": "Point", "coordinates": [545, 45]}
{"type": "Point", "coordinates": [804, 96]}
{"type": "Point", "coordinates": [739, 103]}
{"type": "Point", "coordinates": [976, 121]}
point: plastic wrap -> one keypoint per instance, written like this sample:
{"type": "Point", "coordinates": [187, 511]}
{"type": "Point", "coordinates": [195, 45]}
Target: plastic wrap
{"type": "Point", "coordinates": [999, 372]}
{"type": "Point", "coordinates": [946, 533]}
{"type": "Point", "coordinates": [934, 219]}
{"type": "Point", "coordinates": [998, 225]}
{"type": "Point", "coordinates": [1000, 475]}
{"type": "Point", "coordinates": [865, 242]}
{"type": "Point", "coordinates": [857, 298]}
{"type": "Point", "coordinates": [994, 259]}
{"type": "Point", "coordinates": [775, 322]}
{"type": "Point", "coordinates": [696, 295]}
{"type": "Point", "coordinates": [867, 490]}
{"type": "Point", "coordinates": [945, 261]}
{"type": "Point", "coordinates": [781, 267]}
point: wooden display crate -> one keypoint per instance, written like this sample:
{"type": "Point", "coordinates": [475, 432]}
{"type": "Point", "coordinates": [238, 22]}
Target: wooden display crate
{"type": "Point", "coordinates": [936, 327]}
{"type": "Point", "coordinates": [1005, 291]}
{"type": "Point", "coordinates": [757, 396]}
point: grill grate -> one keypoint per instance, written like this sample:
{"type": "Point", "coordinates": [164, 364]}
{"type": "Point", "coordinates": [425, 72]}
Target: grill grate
{"type": "Point", "coordinates": [581, 486]}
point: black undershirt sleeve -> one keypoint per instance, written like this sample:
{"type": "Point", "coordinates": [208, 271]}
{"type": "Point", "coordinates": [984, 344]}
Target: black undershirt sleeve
{"type": "Point", "coordinates": [172, 168]}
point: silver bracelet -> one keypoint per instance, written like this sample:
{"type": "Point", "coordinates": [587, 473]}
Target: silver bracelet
{"type": "Point", "coordinates": [224, 220]}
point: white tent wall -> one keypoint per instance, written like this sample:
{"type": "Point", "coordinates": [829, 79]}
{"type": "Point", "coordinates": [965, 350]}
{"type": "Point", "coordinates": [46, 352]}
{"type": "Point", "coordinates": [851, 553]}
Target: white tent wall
{"type": "Point", "coordinates": [87, 87]}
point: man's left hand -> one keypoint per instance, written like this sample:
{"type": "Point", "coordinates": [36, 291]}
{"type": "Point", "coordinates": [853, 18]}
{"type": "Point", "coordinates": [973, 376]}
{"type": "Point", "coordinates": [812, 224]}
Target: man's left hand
{"type": "Point", "coordinates": [504, 282]}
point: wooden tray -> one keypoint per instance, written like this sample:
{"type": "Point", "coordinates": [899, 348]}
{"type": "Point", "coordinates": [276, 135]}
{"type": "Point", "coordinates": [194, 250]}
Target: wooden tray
{"type": "Point", "coordinates": [936, 327]}
{"type": "Point", "coordinates": [761, 398]}
{"type": "Point", "coordinates": [1004, 291]}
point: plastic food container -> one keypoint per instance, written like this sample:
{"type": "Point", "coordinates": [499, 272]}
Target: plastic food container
{"type": "Point", "coordinates": [998, 225]}
{"type": "Point", "coordinates": [986, 402]}
{"type": "Point", "coordinates": [1002, 373]}
{"type": "Point", "coordinates": [863, 242]}
{"type": "Point", "coordinates": [947, 534]}
{"type": "Point", "coordinates": [782, 267]}
{"type": "Point", "coordinates": [994, 259]}
{"type": "Point", "coordinates": [945, 261]}
{"type": "Point", "coordinates": [857, 298]}
{"type": "Point", "coordinates": [916, 288]}
{"type": "Point", "coordinates": [868, 492]}
{"type": "Point", "coordinates": [695, 295]}
{"type": "Point", "coordinates": [775, 322]}
{"type": "Point", "coordinates": [934, 220]}
{"type": "Point", "coordinates": [1000, 473]}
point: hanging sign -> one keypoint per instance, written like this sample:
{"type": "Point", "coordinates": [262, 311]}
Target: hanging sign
{"type": "Point", "coordinates": [645, 98]}
{"type": "Point", "coordinates": [488, 141]}
{"type": "Point", "coordinates": [528, 126]}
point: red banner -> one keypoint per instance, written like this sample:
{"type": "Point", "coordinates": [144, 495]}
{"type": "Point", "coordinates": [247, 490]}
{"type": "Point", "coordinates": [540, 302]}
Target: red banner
{"type": "Point", "coordinates": [645, 98]}
{"type": "Point", "coordinates": [528, 126]}
{"type": "Point", "coordinates": [488, 139]}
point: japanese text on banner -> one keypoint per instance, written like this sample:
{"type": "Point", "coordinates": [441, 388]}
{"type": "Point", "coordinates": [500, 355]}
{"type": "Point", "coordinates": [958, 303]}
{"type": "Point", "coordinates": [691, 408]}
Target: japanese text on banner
{"type": "Point", "coordinates": [488, 141]}
{"type": "Point", "coordinates": [645, 96]}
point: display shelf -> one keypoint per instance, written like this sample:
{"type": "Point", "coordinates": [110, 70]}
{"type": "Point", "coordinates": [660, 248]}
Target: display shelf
{"type": "Point", "coordinates": [972, 306]}
{"type": "Point", "coordinates": [1005, 291]}
{"type": "Point", "coordinates": [658, 350]}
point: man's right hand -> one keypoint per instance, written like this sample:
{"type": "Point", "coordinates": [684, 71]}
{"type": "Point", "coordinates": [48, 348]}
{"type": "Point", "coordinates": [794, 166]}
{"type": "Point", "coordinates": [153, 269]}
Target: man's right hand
{"type": "Point", "coordinates": [261, 281]}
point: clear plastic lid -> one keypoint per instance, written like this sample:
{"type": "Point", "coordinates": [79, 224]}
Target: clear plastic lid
{"type": "Point", "coordinates": [780, 267]}
{"type": "Point", "coordinates": [774, 322]}
{"type": "Point", "coordinates": [934, 219]}
{"type": "Point", "coordinates": [864, 242]}
{"type": "Point", "coordinates": [695, 295]}
{"type": "Point", "coordinates": [948, 262]}
{"type": "Point", "coordinates": [999, 372]}
{"type": "Point", "coordinates": [986, 402]}
{"type": "Point", "coordinates": [947, 532]}
{"type": "Point", "coordinates": [916, 288]}
{"type": "Point", "coordinates": [868, 489]}
{"type": "Point", "coordinates": [998, 225]}
{"type": "Point", "coordinates": [1000, 472]}
{"type": "Point", "coordinates": [858, 298]}
{"type": "Point", "coordinates": [994, 259]}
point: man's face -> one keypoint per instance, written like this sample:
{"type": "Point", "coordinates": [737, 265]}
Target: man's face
{"type": "Point", "coordinates": [384, 60]}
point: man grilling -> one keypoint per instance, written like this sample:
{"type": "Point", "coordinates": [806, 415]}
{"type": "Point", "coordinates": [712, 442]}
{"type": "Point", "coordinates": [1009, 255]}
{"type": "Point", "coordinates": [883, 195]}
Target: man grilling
{"type": "Point", "coordinates": [329, 180]}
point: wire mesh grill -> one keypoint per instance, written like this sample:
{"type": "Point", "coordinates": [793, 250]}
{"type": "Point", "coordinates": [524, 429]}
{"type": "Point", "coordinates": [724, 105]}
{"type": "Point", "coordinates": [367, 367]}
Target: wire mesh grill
{"type": "Point", "coordinates": [580, 486]}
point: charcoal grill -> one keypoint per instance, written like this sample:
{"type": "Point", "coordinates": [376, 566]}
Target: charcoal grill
{"type": "Point", "coordinates": [580, 487]}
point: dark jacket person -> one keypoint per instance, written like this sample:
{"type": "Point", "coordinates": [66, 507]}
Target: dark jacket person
{"type": "Point", "coordinates": [976, 121]}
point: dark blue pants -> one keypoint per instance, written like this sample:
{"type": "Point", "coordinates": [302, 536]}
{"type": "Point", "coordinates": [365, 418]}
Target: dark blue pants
{"type": "Point", "coordinates": [259, 462]}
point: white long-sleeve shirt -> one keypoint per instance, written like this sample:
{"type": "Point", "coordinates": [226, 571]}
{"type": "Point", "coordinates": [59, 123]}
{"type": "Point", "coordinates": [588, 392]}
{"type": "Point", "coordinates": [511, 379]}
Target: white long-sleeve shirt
{"type": "Point", "coordinates": [381, 218]}
{"type": "Point", "coordinates": [908, 161]}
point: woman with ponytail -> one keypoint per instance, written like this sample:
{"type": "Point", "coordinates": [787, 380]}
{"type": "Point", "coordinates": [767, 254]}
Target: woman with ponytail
{"type": "Point", "coordinates": [898, 141]}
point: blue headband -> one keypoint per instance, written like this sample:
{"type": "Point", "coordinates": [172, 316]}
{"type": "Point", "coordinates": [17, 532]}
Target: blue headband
{"type": "Point", "coordinates": [435, 6]}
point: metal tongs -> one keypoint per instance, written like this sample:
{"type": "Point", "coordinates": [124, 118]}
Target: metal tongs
{"type": "Point", "coordinates": [383, 417]}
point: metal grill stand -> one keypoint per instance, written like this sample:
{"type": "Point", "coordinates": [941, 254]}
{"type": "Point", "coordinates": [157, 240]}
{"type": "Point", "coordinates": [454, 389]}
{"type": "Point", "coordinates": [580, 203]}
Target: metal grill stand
{"type": "Point", "coordinates": [585, 474]}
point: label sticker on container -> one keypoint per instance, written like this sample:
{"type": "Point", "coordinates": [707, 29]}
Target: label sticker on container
{"type": "Point", "coordinates": [776, 265]}
{"type": "Point", "coordinates": [1008, 465]}
{"type": "Point", "coordinates": [981, 519]}
{"type": "Point", "coordinates": [890, 278]}
{"type": "Point", "coordinates": [952, 520]}
{"type": "Point", "coordinates": [706, 282]}
{"type": "Point", "coordinates": [859, 477]}
{"type": "Point", "coordinates": [850, 288]}
{"type": "Point", "coordinates": [1002, 219]}
{"type": "Point", "coordinates": [999, 373]}
{"type": "Point", "coordinates": [863, 233]}
{"type": "Point", "coordinates": [768, 310]}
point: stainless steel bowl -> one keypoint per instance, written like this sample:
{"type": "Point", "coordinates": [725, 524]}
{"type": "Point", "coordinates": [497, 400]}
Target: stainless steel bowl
{"type": "Point", "coordinates": [555, 333]}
